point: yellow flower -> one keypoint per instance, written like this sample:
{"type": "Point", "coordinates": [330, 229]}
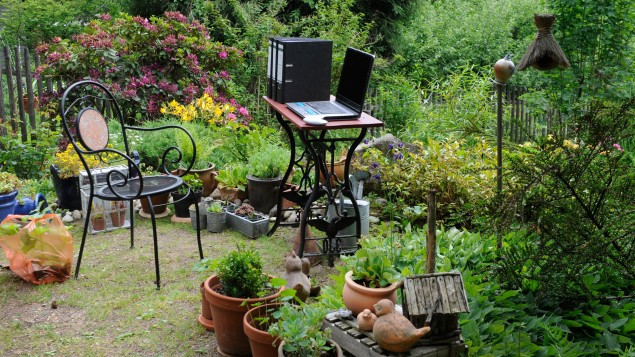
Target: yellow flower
{"type": "Point", "coordinates": [569, 144]}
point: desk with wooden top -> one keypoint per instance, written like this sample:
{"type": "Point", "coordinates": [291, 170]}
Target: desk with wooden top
{"type": "Point", "coordinates": [319, 156]}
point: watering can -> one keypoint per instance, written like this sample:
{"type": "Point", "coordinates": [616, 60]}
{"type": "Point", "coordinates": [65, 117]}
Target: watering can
{"type": "Point", "coordinates": [26, 205]}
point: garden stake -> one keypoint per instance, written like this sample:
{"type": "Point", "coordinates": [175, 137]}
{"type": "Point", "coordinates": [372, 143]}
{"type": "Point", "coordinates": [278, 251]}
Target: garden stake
{"type": "Point", "coordinates": [431, 236]}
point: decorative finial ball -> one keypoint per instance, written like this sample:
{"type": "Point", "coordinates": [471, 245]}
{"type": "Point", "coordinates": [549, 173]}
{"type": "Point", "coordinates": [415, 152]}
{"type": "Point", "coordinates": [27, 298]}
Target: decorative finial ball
{"type": "Point", "coordinates": [503, 69]}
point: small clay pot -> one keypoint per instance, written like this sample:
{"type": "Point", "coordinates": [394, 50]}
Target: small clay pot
{"type": "Point", "coordinates": [231, 194]}
{"type": "Point", "coordinates": [161, 199]}
{"type": "Point", "coordinates": [357, 297]}
{"type": "Point", "coordinates": [99, 223]}
{"type": "Point", "coordinates": [336, 351]}
{"type": "Point", "coordinates": [228, 313]}
{"type": "Point", "coordinates": [205, 318]}
{"type": "Point", "coordinates": [207, 177]}
{"type": "Point", "coordinates": [262, 343]}
{"type": "Point", "coordinates": [118, 219]}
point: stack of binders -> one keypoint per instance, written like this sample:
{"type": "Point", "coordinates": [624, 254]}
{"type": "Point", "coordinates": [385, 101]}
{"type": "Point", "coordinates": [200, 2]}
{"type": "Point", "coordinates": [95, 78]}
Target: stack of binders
{"type": "Point", "coordinates": [299, 69]}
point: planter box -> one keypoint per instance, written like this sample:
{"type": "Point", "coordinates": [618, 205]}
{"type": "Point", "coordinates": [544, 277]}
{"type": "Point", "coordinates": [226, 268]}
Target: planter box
{"type": "Point", "coordinates": [252, 228]}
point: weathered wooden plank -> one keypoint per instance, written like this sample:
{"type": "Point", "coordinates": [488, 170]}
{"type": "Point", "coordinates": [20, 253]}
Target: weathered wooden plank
{"type": "Point", "coordinates": [424, 289]}
{"type": "Point", "coordinates": [29, 87]}
{"type": "Point", "coordinates": [342, 326]}
{"type": "Point", "coordinates": [447, 308]}
{"type": "Point", "coordinates": [3, 114]}
{"type": "Point", "coordinates": [40, 83]}
{"type": "Point", "coordinates": [18, 76]}
{"type": "Point", "coordinates": [9, 74]}
{"type": "Point", "coordinates": [449, 285]}
{"type": "Point", "coordinates": [412, 300]}
{"type": "Point", "coordinates": [458, 284]}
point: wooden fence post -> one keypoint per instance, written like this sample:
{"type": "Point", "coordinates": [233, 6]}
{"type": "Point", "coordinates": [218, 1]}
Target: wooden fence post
{"type": "Point", "coordinates": [431, 235]}
{"type": "Point", "coordinates": [18, 81]}
{"type": "Point", "coordinates": [9, 73]}
{"type": "Point", "coordinates": [29, 87]}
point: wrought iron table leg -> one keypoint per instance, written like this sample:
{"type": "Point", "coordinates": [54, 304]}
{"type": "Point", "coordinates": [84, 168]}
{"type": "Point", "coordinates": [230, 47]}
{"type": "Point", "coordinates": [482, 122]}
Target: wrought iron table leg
{"type": "Point", "coordinates": [346, 191]}
{"type": "Point", "coordinates": [81, 246]}
{"type": "Point", "coordinates": [287, 129]}
{"type": "Point", "coordinates": [312, 196]}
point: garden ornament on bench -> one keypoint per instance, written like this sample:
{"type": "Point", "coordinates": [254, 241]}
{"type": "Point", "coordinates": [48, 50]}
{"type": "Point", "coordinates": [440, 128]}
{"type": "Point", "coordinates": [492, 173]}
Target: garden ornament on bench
{"type": "Point", "coordinates": [86, 128]}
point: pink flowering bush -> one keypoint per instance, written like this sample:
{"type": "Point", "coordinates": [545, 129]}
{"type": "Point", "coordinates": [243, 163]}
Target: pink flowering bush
{"type": "Point", "coordinates": [144, 62]}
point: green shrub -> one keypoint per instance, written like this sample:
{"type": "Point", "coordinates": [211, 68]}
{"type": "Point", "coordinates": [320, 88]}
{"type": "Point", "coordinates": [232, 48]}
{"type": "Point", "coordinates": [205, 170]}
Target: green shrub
{"type": "Point", "coordinates": [268, 161]}
{"type": "Point", "coordinates": [300, 327]}
{"type": "Point", "coordinates": [233, 176]}
{"type": "Point", "coordinates": [8, 183]}
{"type": "Point", "coordinates": [28, 159]}
{"type": "Point", "coordinates": [373, 268]}
{"type": "Point", "coordinates": [240, 273]}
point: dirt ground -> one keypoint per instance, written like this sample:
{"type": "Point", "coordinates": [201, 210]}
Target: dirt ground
{"type": "Point", "coordinates": [114, 308]}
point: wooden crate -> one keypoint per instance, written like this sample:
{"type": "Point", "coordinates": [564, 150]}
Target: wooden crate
{"type": "Point", "coordinates": [361, 343]}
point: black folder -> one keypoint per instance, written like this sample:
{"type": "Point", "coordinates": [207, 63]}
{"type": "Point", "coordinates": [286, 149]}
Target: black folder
{"type": "Point", "coordinates": [299, 69]}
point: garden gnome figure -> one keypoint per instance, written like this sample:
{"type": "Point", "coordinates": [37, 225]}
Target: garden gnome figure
{"type": "Point", "coordinates": [393, 331]}
{"type": "Point", "coordinates": [544, 53]}
{"type": "Point", "coordinates": [295, 277]}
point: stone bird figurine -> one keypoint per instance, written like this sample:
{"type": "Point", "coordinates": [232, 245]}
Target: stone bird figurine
{"type": "Point", "coordinates": [366, 320]}
{"type": "Point", "coordinates": [392, 331]}
{"type": "Point", "coordinates": [295, 277]}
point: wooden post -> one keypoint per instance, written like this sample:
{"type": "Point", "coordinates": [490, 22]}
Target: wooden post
{"type": "Point", "coordinates": [18, 81]}
{"type": "Point", "coordinates": [431, 236]}
{"type": "Point", "coordinates": [9, 72]}
{"type": "Point", "coordinates": [29, 87]}
{"type": "Point", "coordinates": [3, 114]}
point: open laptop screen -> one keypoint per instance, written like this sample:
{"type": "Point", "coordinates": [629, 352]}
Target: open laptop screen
{"type": "Point", "coordinates": [354, 79]}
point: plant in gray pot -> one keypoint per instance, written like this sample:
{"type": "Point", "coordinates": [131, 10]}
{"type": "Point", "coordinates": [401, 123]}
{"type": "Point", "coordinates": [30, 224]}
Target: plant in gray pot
{"type": "Point", "coordinates": [266, 167]}
{"type": "Point", "coordinates": [215, 217]}
{"type": "Point", "coordinates": [202, 216]}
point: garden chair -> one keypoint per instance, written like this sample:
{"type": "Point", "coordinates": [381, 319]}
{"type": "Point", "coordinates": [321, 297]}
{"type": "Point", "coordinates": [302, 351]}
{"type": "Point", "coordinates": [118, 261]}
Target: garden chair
{"type": "Point", "coordinates": [82, 108]}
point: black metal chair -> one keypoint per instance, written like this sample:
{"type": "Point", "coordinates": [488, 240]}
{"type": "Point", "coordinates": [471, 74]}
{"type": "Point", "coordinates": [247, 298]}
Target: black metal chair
{"type": "Point", "coordinates": [82, 108]}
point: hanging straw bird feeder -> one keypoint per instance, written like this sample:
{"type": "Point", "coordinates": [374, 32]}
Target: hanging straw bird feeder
{"type": "Point", "coordinates": [544, 53]}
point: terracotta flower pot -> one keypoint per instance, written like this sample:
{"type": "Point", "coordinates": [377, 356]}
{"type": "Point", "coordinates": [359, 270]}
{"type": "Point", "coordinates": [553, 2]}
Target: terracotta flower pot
{"type": "Point", "coordinates": [207, 176]}
{"type": "Point", "coordinates": [118, 218]}
{"type": "Point", "coordinates": [336, 351]}
{"type": "Point", "coordinates": [161, 199]}
{"type": "Point", "coordinates": [99, 223]}
{"type": "Point", "coordinates": [358, 297]}
{"type": "Point", "coordinates": [228, 313]}
{"type": "Point", "coordinates": [338, 170]}
{"type": "Point", "coordinates": [205, 318]}
{"type": "Point", "coordinates": [261, 342]}
{"type": "Point", "coordinates": [231, 194]}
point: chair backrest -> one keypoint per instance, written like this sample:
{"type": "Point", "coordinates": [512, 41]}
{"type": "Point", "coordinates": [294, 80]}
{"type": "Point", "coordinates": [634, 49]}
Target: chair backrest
{"type": "Point", "coordinates": [85, 108]}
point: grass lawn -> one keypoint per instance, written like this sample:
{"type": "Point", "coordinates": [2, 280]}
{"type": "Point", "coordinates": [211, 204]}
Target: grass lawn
{"type": "Point", "coordinates": [114, 307]}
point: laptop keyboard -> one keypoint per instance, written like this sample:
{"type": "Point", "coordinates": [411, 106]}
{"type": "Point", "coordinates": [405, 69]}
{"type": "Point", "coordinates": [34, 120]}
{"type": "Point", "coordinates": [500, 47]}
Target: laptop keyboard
{"type": "Point", "coordinates": [326, 108]}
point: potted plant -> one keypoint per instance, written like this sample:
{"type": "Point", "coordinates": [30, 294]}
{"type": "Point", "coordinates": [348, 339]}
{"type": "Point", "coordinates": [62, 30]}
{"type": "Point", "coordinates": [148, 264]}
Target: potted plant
{"type": "Point", "coordinates": [215, 217]}
{"type": "Point", "coordinates": [231, 183]}
{"type": "Point", "coordinates": [159, 202]}
{"type": "Point", "coordinates": [266, 167]}
{"type": "Point", "coordinates": [202, 216]}
{"type": "Point", "coordinates": [247, 221]}
{"type": "Point", "coordinates": [372, 278]}
{"type": "Point", "coordinates": [64, 174]}
{"type": "Point", "coordinates": [9, 185]}
{"type": "Point", "coordinates": [203, 168]}
{"type": "Point", "coordinates": [299, 327]}
{"type": "Point", "coordinates": [256, 325]}
{"type": "Point", "coordinates": [97, 218]}
{"type": "Point", "coordinates": [239, 283]}
{"type": "Point", "coordinates": [118, 213]}
{"type": "Point", "coordinates": [181, 205]}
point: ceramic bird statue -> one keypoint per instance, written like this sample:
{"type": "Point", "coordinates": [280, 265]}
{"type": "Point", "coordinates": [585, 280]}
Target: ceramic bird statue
{"type": "Point", "coordinates": [392, 331]}
{"type": "Point", "coordinates": [366, 320]}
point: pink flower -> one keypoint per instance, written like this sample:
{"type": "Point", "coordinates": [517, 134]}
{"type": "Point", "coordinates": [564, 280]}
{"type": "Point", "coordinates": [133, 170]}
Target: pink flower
{"type": "Point", "coordinates": [53, 57]}
{"type": "Point", "coordinates": [105, 17]}
{"type": "Point", "coordinates": [56, 39]}
{"type": "Point", "coordinates": [209, 90]}
{"type": "Point", "coordinates": [224, 74]}
{"type": "Point", "coordinates": [618, 147]}
{"type": "Point", "coordinates": [222, 54]}
{"type": "Point", "coordinates": [175, 15]}
{"type": "Point", "coordinates": [231, 117]}
{"type": "Point", "coordinates": [93, 73]}
{"type": "Point", "coordinates": [243, 111]}
{"type": "Point", "coordinates": [42, 48]}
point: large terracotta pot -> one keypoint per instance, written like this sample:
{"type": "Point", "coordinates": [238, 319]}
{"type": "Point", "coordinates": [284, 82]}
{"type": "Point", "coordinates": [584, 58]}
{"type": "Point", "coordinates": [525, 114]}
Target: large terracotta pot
{"type": "Point", "coordinates": [231, 194]}
{"type": "Point", "coordinates": [207, 176]}
{"type": "Point", "coordinates": [228, 313]}
{"type": "Point", "coordinates": [161, 199]}
{"type": "Point", "coordinates": [261, 342]}
{"type": "Point", "coordinates": [337, 351]}
{"type": "Point", "coordinates": [338, 170]}
{"type": "Point", "coordinates": [358, 297]}
{"type": "Point", "coordinates": [205, 318]}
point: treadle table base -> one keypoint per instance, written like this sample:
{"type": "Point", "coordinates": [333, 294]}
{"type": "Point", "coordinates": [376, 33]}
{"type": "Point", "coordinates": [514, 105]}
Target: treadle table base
{"type": "Point", "coordinates": [361, 344]}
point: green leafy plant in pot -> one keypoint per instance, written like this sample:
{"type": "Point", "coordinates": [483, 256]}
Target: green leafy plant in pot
{"type": "Point", "coordinates": [299, 327]}
{"type": "Point", "coordinates": [9, 185]}
{"type": "Point", "coordinates": [266, 166]}
{"type": "Point", "coordinates": [238, 284]}
{"type": "Point", "coordinates": [180, 204]}
{"type": "Point", "coordinates": [372, 278]}
{"type": "Point", "coordinates": [215, 217]}
{"type": "Point", "coordinates": [203, 168]}
{"type": "Point", "coordinates": [232, 182]}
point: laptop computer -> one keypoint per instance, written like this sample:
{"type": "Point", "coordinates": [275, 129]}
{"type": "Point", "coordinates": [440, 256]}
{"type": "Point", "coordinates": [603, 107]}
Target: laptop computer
{"type": "Point", "coordinates": [351, 91]}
